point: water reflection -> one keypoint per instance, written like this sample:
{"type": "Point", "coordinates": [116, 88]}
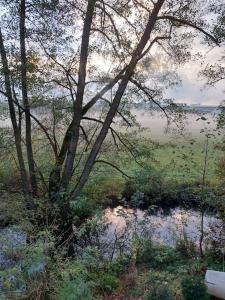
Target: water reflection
{"type": "Point", "coordinates": [161, 228]}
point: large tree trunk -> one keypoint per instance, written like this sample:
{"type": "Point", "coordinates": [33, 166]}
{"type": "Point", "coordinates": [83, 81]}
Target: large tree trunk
{"type": "Point", "coordinates": [77, 107]}
{"type": "Point", "coordinates": [30, 157]}
{"type": "Point", "coordinates": [116, 101]}
{"type": "Point", "coordinates": [16, 129]}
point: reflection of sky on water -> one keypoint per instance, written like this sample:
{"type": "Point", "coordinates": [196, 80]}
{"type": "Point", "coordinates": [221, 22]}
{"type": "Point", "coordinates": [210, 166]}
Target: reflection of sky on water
{"type": "Point", "coordinates": [165, 229]}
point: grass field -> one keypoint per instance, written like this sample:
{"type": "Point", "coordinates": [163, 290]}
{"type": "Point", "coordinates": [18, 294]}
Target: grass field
{"type": "Point", "coordinates": [171, 155]}
{"type": "Point", "coordinates": [182, 155]}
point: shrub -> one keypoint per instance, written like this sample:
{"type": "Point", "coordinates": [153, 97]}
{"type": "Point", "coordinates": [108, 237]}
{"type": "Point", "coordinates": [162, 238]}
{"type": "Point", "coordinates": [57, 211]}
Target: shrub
{"type": "Point", "coordinates": [13, 210]}
{"type": "Point", "coordinates": [76, 290]}
{"type": "Point", "coordinates": [82, 207]}
{"type": "Point", "coordinates": [149, 180]}
{"type": "Point", "coordinates": [118, 266]}
{"type": "Point", "coordinates": [85, 277]}
{"type": "Point", "coordinates": [163, 257]}
{"type": "Point", "coordinates": [186, 248]}
{"type": "Point", "coordinates": [145, 252]}
{"type": "Point", "coordinates": [159, 292]}
{"type": "Point", "coordinates": [158, 257]}
{"type": "Point", "coordinates": [193, 288]}
{"type": "Point", "coordinates": [107, 283]}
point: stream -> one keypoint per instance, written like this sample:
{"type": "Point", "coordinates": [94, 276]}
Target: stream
{"type": "Point", "coordinates": [162, 228]}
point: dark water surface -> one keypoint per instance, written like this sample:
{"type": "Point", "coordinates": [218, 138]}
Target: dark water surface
{"type": "Point", "coordinates": [161, 228]}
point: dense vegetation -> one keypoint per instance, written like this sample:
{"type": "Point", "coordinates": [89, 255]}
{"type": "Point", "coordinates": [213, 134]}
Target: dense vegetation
{"type": "Point", "coordinates": [75, 157]}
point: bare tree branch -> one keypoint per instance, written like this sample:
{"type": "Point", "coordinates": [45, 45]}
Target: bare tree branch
{"type": "Point", "coordinates": [185, 22]}
{"type": "Point", "coordinates": [113, 166]}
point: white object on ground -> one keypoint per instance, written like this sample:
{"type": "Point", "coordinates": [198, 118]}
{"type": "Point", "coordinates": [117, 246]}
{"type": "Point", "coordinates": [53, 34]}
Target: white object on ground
{"type": "Point", "coordinates": [215, 283]}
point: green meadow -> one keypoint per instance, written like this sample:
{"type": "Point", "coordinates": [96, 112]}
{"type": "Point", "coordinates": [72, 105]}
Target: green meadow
{"type": "Point", "coordinates": [159, 153]}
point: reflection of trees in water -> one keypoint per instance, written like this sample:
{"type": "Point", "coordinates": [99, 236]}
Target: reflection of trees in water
{"type": "Point", "coordinates": [112, 234]}
{"type": "Point", "coordinates": [165, 229]}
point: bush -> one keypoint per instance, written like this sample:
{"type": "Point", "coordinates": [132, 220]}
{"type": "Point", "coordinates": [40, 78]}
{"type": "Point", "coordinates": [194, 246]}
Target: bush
{"type": "Point", "coordinates": [164, 257]}
{"type": "Point", "coordinates": [86, 277]}
{"type": "Point", "coordinates": [149, 181]}
{"type": "Point", "coordinates": [118, 266]}
{"type": "Point", "coordinates": [193, 288]}
{"type": "Point", "coordinates": [145, 252]}
{"type": "Point", "coordinates": [13, 210]}
{"type": "Point", "coordinates": [76, 290]}
{"type": "Point", "coordinates": [107, 283]}
{"type": "Point", "coordinates": [159, 292]}
{"type": "Point", "coordinates": [186, 248]}
{"type": "Point", "coordinates": [158, 257]}
{"type": "Point", "coordinates": [82, 207]}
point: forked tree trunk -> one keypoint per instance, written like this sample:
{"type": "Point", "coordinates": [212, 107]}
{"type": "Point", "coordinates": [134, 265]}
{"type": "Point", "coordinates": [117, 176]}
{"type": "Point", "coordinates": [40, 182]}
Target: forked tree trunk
{"type": "Point", "coordinates": [72, 135]}
{"type": "Point", "coordinates": [116, 101]}
{"type": "Point", "coordinates": [28, 138]}
{"type": "Point", "coordinates": [55, 175]}
{"type": "Point", "coordinates": [16, 130]}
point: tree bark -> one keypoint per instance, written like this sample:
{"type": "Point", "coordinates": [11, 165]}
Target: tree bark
{"type": "Point", "coordinates": [28, 138]}
{"type": "Point", "coordinates": [16, 130]}
{"type": "Point", "coordinates": [116, 101]}
{"type": "Point", "coordinates": [77, 107]}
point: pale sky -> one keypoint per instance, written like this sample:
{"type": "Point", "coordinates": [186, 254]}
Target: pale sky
{"type": "Point", "coordinates": [193, 89]}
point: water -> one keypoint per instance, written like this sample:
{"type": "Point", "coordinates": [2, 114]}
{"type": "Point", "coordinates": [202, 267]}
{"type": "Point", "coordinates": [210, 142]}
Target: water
{"type": "Point", "coordinates": [161, 228]}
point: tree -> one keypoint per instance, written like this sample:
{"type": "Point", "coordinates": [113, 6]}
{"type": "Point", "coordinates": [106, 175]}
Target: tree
{"type": "Point", "coordinates": [26, 105]}
{"type": "Point", "coordinates": [67, 38]}
{"type": "Point", "coordinates": [16, 129]}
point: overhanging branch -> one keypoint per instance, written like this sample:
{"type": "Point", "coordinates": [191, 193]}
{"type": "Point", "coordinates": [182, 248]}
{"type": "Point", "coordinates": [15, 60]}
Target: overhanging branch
{"type": "Point", "coordinates": [113, 166]}
{"type": "Point", "coordinates": [187, 23]}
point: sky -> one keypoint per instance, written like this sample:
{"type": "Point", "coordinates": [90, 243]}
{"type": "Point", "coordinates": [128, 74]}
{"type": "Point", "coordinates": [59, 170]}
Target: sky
{"type": "Point", "coordinates": [193, 89]}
